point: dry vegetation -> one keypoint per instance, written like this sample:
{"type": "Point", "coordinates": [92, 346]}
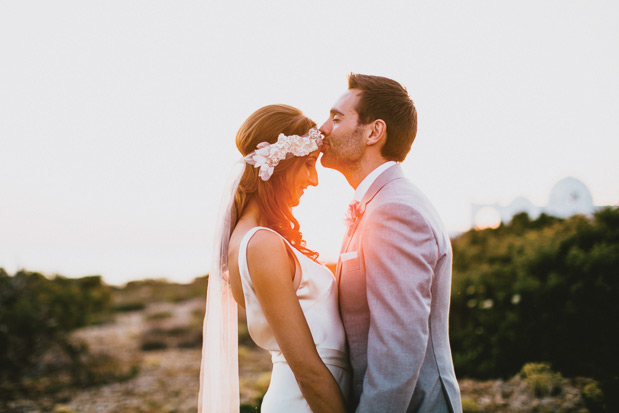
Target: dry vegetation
{"type": "Point", "coordinates": [154, 353]}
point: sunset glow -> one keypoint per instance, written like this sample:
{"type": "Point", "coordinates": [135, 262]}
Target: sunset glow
{"type": "Point", "coordinates": [119, 118]}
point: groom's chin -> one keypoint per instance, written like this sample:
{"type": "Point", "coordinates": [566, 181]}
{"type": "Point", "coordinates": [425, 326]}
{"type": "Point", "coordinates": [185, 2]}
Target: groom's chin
{"type": "Point", "coordinates": [326, 163]}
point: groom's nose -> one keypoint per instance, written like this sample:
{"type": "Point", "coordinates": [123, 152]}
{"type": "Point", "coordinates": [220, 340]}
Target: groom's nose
{"type": "Point", "coordinates": [326, 128]}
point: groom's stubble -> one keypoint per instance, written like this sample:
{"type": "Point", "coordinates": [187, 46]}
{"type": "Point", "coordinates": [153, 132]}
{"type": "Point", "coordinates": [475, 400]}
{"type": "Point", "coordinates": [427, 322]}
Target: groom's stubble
{"type": "Point", "coordinates": [344, 152]}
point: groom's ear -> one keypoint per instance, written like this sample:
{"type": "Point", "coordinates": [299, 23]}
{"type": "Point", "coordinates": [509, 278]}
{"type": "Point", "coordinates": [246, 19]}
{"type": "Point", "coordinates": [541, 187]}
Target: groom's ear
{"type": "Point", "coordinates": [378, 132]}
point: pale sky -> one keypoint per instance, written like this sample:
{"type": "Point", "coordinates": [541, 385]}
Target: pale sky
{"type": "Point", "coordinates": [118, 118]}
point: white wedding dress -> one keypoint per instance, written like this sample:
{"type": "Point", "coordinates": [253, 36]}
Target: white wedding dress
{"type": "Point", "coordinates": [316, 289]}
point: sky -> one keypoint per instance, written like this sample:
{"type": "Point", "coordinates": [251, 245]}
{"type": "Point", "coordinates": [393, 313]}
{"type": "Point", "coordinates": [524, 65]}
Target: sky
{"type": "Point", "coordinates": [118, 118]}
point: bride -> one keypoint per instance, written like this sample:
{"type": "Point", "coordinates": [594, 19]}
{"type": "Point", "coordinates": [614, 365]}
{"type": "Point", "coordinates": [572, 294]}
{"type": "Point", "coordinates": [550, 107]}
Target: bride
{"type": "Point", "coordinates": [264, 266]}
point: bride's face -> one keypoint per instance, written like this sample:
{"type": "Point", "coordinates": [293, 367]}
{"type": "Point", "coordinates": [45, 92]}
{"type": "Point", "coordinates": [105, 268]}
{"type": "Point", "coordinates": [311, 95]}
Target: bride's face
{"type": "Point", "coordinates": [304, 176]}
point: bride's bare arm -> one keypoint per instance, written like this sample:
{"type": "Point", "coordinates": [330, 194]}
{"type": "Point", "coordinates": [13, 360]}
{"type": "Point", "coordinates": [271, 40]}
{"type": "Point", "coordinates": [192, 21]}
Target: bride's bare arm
{"type": "Point", "coordinates": [269, 267]}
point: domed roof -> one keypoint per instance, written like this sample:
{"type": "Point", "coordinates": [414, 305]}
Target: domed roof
{"type": "Point", "coordinates": [520, 204]}
{"type": "Point", "coordinates": [570, 196]}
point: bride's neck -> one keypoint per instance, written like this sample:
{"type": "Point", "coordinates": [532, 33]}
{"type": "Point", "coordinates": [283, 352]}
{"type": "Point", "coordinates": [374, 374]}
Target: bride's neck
{"type": "Point", "coordinates": [251, 214]}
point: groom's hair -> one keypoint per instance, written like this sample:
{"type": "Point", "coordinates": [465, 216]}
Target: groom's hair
{"type": "Point", "coordinates": [386, 99]}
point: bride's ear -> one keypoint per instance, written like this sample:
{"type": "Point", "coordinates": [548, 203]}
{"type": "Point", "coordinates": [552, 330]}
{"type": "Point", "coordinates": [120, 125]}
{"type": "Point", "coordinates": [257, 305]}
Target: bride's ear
{"type": "Point", "coordinates": [378, 132]}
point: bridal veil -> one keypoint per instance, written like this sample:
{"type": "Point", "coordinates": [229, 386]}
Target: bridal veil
{"type": "Point", "coordinates": [219, 370]}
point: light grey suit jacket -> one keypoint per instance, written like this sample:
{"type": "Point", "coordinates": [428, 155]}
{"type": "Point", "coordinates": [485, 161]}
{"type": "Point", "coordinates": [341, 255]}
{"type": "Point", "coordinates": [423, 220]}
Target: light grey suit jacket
{"type": "Point", "coordinates": [394, 276]}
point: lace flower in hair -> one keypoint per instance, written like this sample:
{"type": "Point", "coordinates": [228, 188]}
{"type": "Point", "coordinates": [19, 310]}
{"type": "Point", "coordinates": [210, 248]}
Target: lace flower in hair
{"type": "Point", "coordinates": [268, 155]}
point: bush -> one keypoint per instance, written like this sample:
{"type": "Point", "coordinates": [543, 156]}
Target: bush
{"type": "Point", "coordinates": [150, 291]}
{"type": "Point", "coordinates": [543, 289]}
{"type": "Point", "coordinates": [94, 368]}
{"type": "Point", "coordinates": [470, 406]}
{"type": "Point", "coordinates": [248, 408]}
{"type": "Point", "coordinates": [594, 397]}
{"type": "Point", "coordinates": [129, 306]}
{"type": "Point", "coordinates": [37, 313]}
{"type": "Point", "coordinates": [153, 344]}
{"type": "Point", "coordinates": [161, 315]}
{"type": "Point", "coordinates": [541, 379]}
{"type": "Point", "coordinates": [158, 338]}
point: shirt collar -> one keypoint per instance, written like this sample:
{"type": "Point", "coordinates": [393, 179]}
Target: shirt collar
{"type": "Point", "coordinates": [369, 180]}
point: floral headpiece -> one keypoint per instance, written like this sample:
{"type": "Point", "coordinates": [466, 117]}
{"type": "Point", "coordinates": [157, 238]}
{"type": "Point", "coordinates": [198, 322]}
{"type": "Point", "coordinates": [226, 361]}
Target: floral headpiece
{"type": "Point", "coordinates": [268, 155]}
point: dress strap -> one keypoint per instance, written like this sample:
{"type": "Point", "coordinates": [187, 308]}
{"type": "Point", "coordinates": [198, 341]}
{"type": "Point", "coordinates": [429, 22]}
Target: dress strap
{"type": "Point", "coordinates": [242, 258]}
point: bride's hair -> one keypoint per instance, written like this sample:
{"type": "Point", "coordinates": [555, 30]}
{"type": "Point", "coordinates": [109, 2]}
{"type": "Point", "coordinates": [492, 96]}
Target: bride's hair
{"type": "Point", "coordinates": [275, 196]}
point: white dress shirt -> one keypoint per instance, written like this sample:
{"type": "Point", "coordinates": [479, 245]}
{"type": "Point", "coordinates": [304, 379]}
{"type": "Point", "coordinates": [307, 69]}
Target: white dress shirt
{"type": "Point", "coordinates": [369, 180]}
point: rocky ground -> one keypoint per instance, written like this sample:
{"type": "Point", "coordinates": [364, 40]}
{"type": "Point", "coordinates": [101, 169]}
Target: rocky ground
{"type": "Point", "coordinates": [159, 347]}
{"type": "Point", "coordinates": [515, 395]}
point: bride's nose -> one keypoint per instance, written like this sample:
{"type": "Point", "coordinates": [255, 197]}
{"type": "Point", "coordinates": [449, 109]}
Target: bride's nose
{"type": "Point", "coordinates": [313, 177]}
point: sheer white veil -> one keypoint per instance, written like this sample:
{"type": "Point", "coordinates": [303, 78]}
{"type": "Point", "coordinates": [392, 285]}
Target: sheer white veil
{"type": "Point", "coordinates": [219, 371]}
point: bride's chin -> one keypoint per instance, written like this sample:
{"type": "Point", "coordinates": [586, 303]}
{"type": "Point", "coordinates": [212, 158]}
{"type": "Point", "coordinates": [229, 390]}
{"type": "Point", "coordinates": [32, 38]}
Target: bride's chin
{"type": "Point", "coordinates": [295, 202]}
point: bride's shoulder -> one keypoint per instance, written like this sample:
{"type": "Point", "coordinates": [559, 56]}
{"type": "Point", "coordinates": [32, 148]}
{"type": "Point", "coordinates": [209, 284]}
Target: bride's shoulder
{"type": "Point", "coordinates": [264, 241]}
{"type": "Point", "coordinates": [256, 240]}
{"type": "Point", "coordinates": [267, 255]}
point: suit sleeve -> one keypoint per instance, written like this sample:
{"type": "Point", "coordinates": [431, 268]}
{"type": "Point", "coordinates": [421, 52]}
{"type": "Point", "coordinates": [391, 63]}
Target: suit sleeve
{"type": "Point", "coordinates": [400, 254]}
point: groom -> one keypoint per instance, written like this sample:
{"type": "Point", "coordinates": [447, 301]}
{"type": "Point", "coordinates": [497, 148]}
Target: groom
{"type": "Point", "coordinates": [394, 270]}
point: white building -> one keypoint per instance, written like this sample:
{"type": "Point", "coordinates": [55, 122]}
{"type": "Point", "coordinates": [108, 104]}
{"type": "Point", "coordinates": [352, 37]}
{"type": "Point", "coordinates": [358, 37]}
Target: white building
{"type": "Point", "coordinates": [568, 197]}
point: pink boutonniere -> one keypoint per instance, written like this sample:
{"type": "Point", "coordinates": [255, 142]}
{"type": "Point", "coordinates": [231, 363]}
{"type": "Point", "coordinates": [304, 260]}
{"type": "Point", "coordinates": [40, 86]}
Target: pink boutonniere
{"type": "Point", "coordinates": [354, 212]}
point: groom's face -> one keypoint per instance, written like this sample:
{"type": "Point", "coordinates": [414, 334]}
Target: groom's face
{"type": "Point", "coordinates": [343, 146]}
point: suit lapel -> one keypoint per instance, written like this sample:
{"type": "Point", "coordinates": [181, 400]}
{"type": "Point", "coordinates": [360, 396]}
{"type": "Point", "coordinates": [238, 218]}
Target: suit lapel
{"type": "Point", "coordinates": [392, 173]}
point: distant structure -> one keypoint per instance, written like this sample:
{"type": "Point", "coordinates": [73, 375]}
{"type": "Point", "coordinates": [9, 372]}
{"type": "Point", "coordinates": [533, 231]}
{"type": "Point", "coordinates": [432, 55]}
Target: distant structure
{"type": "Point", "coordinates": [568, 197]}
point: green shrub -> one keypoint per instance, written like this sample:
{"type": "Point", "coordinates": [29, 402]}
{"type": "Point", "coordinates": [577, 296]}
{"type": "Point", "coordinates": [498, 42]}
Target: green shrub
{"type": "Point", "coordinates": [129, 307]}
{"type": "Point", "coordinates": [63, 409]}
{"type": "Point", "coordinates": [153, 290]}
{"type": "Point", "coordinates": [470, 406]}
{"type": "Point", "coordinates": [37, 313]}
{"type": "Point", "coordinates": [593, 397]}
{"type": "Point", "coordinates": [180, 336]}
{"type": "Point", "coordinates": [153, 344]}
{"type": "Point", "coordinates": [158, 316]}
{"type": "Point", "coordinates": [541, 379]}
{"type": "Point", "coordinates": [102, 368]}
{"type": "Point", "coordinates": [543, 289]}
